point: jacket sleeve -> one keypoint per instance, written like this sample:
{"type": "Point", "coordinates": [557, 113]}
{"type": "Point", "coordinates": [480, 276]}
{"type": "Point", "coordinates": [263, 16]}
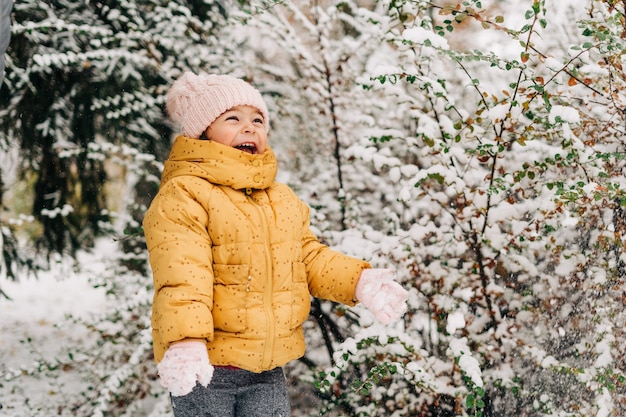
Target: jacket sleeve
{"type": "Point", "coordinates": [179, 248]}
{"type": "Point", "coordinates": [331, 275]}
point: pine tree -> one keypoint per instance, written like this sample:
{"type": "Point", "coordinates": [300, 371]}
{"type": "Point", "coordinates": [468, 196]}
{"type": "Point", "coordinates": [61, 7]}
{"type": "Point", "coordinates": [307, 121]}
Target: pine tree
{"type": "Point", "coordinates": [84, 84]}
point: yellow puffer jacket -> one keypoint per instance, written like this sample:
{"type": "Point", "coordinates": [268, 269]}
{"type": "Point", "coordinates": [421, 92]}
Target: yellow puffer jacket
{"type": "Point", "coordinates": [233, 259]}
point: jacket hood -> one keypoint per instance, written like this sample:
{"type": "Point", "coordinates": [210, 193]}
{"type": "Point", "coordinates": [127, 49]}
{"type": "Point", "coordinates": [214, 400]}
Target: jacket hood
{"type": "Point", "coordinates": [220, 164]}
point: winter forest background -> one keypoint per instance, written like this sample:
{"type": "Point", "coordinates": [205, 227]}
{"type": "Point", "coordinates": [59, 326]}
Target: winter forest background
{"type": "Point", "coordinates": [475, 146]}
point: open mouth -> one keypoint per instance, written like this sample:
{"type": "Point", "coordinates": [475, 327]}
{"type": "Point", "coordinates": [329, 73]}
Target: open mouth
{"type": "Point", "coordinates": [247, 147]}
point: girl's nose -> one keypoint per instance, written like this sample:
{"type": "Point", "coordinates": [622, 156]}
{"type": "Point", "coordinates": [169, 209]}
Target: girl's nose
{"type": "Point", "coordinates": [248, 127]}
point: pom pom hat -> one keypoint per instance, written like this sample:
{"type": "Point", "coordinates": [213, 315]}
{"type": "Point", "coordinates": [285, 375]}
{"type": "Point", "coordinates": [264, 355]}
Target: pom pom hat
{"type": "Point", "coordinates": [195, 101]}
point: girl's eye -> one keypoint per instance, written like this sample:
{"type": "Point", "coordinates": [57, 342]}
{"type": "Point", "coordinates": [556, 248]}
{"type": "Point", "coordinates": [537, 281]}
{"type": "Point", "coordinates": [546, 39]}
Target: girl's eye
{"type": "Point", "coordinates": [259, 120]}
{"type": "Point", "coordinates": [232, 118]}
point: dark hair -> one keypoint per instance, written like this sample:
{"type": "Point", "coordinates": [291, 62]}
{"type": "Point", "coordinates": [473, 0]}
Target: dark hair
{"type": "Point", "coordinates": [203, 135]}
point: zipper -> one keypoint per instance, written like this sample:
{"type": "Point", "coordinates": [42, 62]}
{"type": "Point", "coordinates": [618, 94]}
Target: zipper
{"type": "Point", "coordinates": [269, 290]}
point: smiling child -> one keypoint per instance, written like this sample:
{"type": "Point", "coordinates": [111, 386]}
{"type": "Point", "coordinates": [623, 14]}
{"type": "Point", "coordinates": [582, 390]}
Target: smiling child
{"type": "Point", "coordinates": [234, 261]}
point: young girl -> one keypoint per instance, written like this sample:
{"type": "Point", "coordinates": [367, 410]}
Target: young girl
{"type": "Point", "coordinates": [234, 261]}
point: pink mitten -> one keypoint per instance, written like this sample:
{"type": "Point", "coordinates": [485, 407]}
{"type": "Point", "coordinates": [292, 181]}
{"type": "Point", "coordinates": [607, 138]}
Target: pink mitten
{"type": "Point", "coordinates": [384, 297]}
{"type": "Point", "coordinates": [185, 363]}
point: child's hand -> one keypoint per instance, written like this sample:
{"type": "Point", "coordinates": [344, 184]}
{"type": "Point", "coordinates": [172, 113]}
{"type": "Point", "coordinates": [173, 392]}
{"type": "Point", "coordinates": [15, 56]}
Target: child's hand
{"type": "Point", "coordinates": [184, 364]}
{"type": "Point", "coordinates": [384, 297]}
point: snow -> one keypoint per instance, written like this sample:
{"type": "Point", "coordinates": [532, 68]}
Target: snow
{"type": "Point", "coordinates": [498, 113]}
{"type": "Point", "coordinates": [36, 323]}
{"type": "Point", "coordinates": [563, 113]}
{"type": "Point", "coordinates": [405, 194]}
{"type": "Point", "coordinates": [605, 403]}
{"type": "Point", "coordinates": [39, 307]}
{"type": "Point", "coordinates": [456, 320]}
{"type": "Point", "coordinates": [468, 364]}
{"type": "Point", "coordinates": [381, 70]}
{"type": "Point", "coordinates": [421, 36]}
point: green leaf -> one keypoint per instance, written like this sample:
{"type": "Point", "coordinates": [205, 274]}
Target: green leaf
{"type": "Point", "coordinates": [536, 8]}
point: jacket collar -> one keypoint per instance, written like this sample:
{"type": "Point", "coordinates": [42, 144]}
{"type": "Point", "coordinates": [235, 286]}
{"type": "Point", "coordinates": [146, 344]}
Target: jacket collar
{"type": "Point", "coordinates": [220, 164]}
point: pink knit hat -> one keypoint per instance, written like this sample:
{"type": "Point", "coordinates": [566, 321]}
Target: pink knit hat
{"type": "Point", "coordinates": [195, 101]}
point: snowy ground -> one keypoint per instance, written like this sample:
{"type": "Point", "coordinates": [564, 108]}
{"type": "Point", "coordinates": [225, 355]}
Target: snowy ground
{"type": "Point", "coordinates": [34, 325]}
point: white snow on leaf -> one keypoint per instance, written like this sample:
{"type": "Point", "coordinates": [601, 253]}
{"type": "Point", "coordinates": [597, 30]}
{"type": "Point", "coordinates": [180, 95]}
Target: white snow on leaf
{"type": "Point", "coordinates": [499, 112]}
{"type": "Point", "coordinates": [553, 64]}
{"type": "Point", "coordinates": [405, 194]}
{"type": "Point", "coordinates": [395, 174]}
{"type": "Point", "coordinates": [421, 36]}
{"type": "Point", "coordinates": [599, 276]}
{"type": "Point", "coordinates": [604, 403]}
{"type": "Point", "coordinates": [603, 347]}
{"type": "Point", "coordinates": [456, 320]}
{"type": "Point", "coordinates": [409, 170]}
{"type": "Point", "coordinates": [381, 70]}
{"type": "Point", "coordinates": [564, 113]}
{"type": "Point", "coordinates": [464, 294]}
{"type": "Point", "coordinates": [467, 362]}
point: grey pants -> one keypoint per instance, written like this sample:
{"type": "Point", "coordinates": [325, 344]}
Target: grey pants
{"type": "Point", "coordinates": [237, 393]}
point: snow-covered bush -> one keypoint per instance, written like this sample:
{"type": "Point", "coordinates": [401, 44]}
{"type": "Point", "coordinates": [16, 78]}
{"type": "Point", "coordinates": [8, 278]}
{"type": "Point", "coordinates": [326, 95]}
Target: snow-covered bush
{"type": "Point", "coordinates": [506, 162]}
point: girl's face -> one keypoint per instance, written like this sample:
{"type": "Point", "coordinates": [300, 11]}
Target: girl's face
{"type": "Point", "coordinates": [241, 127]}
